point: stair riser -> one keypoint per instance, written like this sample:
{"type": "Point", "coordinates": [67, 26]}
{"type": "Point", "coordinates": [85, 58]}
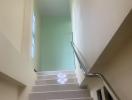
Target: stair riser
{"type": "Point", "coordinates": [54, 72]}
{"type": "Point", "coordinates": [74, 99]}
{"type": "Point", "coordinates": [48, 82]}
{"type": "Point", "coordinates": [55, 88]}
{"type": "Point", "coordinates": [44, 77]}
{"type": "Point", "coordinates": [58, 95]}
{"type": "Point", "coordinates": [78, 99]}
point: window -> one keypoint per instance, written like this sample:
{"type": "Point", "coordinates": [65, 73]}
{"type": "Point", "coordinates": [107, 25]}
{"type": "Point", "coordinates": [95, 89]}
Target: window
{"type": "Point", "coordinates": [33, 36]}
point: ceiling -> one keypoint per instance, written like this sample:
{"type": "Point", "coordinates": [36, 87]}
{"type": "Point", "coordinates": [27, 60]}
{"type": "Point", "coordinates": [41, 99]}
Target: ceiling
{"type": "Point", "coordinates": [54, 7]}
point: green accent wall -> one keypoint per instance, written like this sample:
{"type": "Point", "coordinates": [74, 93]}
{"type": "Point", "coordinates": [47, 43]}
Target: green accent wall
{"type": "Point", "coordinates": [56, 52]}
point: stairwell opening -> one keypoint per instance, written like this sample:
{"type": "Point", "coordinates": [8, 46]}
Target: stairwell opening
{"type": "Point", "coordinates": [52, 35]}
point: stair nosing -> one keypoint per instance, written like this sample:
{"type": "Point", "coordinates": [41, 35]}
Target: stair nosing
{"type": "Point", "coordinates": [58, 91]}
{"type": "Point", "coordinates": [53, 72]}
{"type": "Point", "coordinates": [57, 71]}
{"type": "Point", "coordinates": [73, 98]}
{"type": "Point", "coordinates": [56, 74]}
{"type": "Point", "coordinates": [57, 84]}
{"type": "Point", "coordinates": [49, 84]}
{"type": "Point", "coordinates": [54, 78]}
{"type": "Point", "coordinates": [51, 79]}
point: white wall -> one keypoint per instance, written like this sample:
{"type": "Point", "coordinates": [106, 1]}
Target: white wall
{"type": "Point", "coordinates": [8, 90]}
{"type": "Point", "coordinates": [118, 71]}
{"type": "Point", "coordinates": [15, 49]}
{"type": "Point", "coordinates": [13, 64]}
{"type": "Point", "coordinates": [94, 24]}
{"type": "Point", "coordinates": [11, 20]}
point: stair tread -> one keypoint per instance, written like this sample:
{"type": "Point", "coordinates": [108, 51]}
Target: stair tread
{"type": "Point", "coordinates": [54, 79]}
{"type": "Point", "coordinates": [54, 72]}
{"type": "Point", "coordinates": [80, 90]}
{"type": "Point", "coordinates": [39, 77]}
{"type": "Point", "coordinates": [59, 94]}
{"type": "Point", "coordinates": [74, 98]}
{"type": "Point", "coordinates": [57, 84]}
{"type": "Point", "coordinates": [55, 87]}
{"type": "Point", "coordinates": [48, 87]}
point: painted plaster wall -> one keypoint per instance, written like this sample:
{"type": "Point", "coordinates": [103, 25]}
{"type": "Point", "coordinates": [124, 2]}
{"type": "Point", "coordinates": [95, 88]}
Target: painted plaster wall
{"type": "Point", "coordinates": [56, 52]}
{"type": "Point", "coordinates": [15, 49]}
{"type": "Point", "coordinates": [94, 24]}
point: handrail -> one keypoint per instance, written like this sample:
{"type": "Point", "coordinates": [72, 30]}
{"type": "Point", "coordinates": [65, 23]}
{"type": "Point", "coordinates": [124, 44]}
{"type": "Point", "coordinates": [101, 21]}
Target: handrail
{"type": "Point", "coordinates": [99, 75]}
{"type": "Point", "coordinates": [80, 62]}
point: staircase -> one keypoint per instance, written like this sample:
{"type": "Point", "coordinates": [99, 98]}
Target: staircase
{"type": "Point", "coordinates": [58, 85]}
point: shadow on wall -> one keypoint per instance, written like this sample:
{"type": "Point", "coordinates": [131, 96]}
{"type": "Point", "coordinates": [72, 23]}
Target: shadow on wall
{"type": "Point", "coordinates": [115, 62]}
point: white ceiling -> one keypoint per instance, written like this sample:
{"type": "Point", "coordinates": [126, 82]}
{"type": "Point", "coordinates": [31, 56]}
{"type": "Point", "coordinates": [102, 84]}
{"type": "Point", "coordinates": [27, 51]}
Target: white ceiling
{"type": "Point", "coordinates": [54, 7]}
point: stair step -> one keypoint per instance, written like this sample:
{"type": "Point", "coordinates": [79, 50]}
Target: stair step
{"type": "Point", "coordinates": [41, 77]}
{"type": "Point", "coordinates": [55, 87]}
{"type": "Point", "coordinates": [58, 85]}
{"type": "Point", "coordinates": [82, 98]}
{"type": "Point", "coordinates": [58, 94]}
{"type": "Point", "coordinates": [54, 72]}
{"type": "Point", "coordinates": [54, 81]}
